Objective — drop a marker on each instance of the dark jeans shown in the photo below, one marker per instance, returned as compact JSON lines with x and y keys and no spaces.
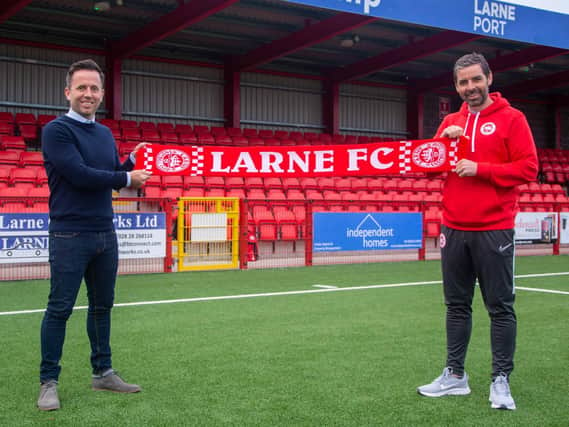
{"x":489,"y":257}
{"x":72,"y":257}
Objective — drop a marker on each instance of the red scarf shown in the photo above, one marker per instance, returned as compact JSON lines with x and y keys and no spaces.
{"x":381,"y":158}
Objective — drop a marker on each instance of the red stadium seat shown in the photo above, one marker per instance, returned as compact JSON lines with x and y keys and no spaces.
{"x":256,"y":141}
{"x":250,"y":133}
{"x":338,"y":139}
{"x":240,"y":141}
{"x":10,"y":158}
{"x":165,"y":127}
{"x":214,"y":192}
{"x":128,"y":124}
{"x":214,"y":182}
{"x":201,"y":130}
{"x":23,"y":175}
{"x":187,"y":139}
{"x":254,"y":183}
{"x":6,"y":116}
{"x":110,"y":123}
{"x":150,"y":135}
{"x":29,"y":133}
{"x":256,"y":194}
{"x":172,"y":181}
{"x":152,"y":192}
{"x":311,"y":137}
{"x":314,"y":195}
{"x":295,"y":136}
{"x":44,"y":119}
{"x":193,"y":192}
{"x":169,"y":138}
{"x":171,"y":193}
{"x":25,"y":119}
{"x":184,"y":129}
{"x":205,"y":139}
{"x":281,"y":134}
{"x":234,"y":182}
{"x":266,"y":133}
{"x":291,"y":183}
{"x":359,"y":183}
{"x":39,"y":191}
{"x":41,"y":177}
{"x":4,"y":175}
{"x":236,"y":192}
{"x":31,"y":158}
{"x":130,"y":134}
{"x":273,"y":183}
{"x":295,"y":194}
{"x":433,"y":229}
{"x":10,"y":142}
{"x":234,"y":132}
{"x":351,"y":139}
{"x":326,"y":183}
{"x":6,"y":128}
{"x":276,"y":194}
{"x":147,"y":126}
{"x":218,"y":131}
{"x":223,"y":140}
{"x":193,"y":182}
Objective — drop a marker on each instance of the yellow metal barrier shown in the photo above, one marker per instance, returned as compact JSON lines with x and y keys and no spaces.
{"x":208,"y":233}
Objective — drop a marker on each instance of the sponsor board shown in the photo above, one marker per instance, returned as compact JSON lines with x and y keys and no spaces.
{"x":355,"y":231}
{"x":541,"y":22}
{"x":564,"y":228}
{"x":536,"y":227}
{"x":24,"y":237}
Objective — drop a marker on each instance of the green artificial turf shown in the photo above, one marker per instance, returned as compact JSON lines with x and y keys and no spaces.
{"x":331,"y":358}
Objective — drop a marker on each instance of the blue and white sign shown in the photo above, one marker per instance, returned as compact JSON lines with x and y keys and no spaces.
{"x":141,"y":235}
{"x":542,"y":22}
{"x":24,"y":237}
{"x":354,"y":231}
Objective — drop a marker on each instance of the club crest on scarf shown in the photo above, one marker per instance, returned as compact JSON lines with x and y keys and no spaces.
{"x":430,"y":155}
{"x":172,"y":161}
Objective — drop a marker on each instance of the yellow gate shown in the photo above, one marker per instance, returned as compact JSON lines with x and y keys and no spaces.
{"x":208,"y":233}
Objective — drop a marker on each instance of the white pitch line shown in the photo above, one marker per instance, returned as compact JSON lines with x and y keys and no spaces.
{"x":562,"y":273}
{"x":242,"y":296}
{"x":325,"y":286}
{"x":300,"y":292}
{"x":547,"y":291}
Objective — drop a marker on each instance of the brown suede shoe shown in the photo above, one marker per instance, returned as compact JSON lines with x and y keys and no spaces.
{"x":48,"y":399}
{"x":111,"y":381}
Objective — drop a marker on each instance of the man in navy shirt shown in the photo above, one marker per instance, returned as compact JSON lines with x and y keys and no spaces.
{"x":83,"y":168}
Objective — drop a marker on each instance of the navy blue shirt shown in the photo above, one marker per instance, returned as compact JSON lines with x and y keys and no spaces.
{"x":83,"y":167}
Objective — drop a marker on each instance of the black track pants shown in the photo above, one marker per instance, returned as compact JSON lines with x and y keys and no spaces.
{"x":489,"y":257}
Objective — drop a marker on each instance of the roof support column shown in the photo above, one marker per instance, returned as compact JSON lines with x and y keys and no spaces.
{"x":232,"y":96}
{"x":113,"y":87}
{"x":331,"y":107}
{"x":415,"y":114}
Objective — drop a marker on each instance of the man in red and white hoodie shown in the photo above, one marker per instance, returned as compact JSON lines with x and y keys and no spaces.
{"x":480,"y":201}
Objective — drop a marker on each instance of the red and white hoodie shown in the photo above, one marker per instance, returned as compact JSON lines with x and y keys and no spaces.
{"x":502,"y":144}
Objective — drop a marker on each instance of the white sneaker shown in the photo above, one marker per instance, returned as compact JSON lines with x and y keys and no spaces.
{"x":445,"y":385}
{"x":500,"y":396}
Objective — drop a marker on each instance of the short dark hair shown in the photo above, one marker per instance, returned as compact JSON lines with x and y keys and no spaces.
{"x":84,"y":64}
{"x":471,"y":59}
